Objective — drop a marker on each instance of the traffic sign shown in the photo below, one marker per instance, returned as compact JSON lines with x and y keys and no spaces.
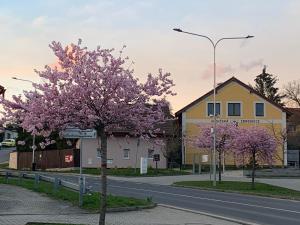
{"x":78,"y":133}
{"x":156,"y":157}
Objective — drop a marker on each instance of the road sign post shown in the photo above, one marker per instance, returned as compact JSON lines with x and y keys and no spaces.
{"x":156,"y":158}
{"x":75,"y":133}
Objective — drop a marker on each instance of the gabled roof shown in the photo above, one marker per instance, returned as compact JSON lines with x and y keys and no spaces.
{"x":232,"y":79}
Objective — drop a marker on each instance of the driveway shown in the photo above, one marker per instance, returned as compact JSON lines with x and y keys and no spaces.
{"x":19,"y":206}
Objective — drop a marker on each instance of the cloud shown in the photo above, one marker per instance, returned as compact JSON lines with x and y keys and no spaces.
{"x":39,"y":21}
{"x":221,"y":70}
{"x":252,"y":64}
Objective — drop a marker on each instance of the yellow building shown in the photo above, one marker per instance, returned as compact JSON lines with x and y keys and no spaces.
{"x":235,"y":102}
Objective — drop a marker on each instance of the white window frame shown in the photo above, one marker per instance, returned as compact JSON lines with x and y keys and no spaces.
{"x":98,"y":152}
{"x":241,"y":109}
{"x":254,"y":110}
{"x":128,"y":151}
{"x":212,"y":102}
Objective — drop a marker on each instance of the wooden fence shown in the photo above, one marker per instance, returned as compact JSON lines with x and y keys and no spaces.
{"x":47,"y":159}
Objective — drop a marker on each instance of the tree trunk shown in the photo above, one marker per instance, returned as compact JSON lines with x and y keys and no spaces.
{"x":220,"y":166}
{"x":253,"y":170}
{"x":103,"y":202}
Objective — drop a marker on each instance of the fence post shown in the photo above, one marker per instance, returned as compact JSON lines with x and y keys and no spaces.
{"x":84,"y":186}
{"x":36,"y":180}
{"x":6,"y":176}
{"x":56,"y":183}
{"x":20,"y":178}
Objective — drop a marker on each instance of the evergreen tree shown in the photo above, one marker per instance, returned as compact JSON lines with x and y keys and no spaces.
{"x":265,"y":85}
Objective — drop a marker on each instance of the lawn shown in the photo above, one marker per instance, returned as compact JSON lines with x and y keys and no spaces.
{"x":90,"y":202}
{"x":131,"y":172}
{"x":244,"y":188}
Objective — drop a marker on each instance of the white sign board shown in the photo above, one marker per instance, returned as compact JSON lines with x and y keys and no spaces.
{"x":144,"y":165}
{"x":204,"y":158}
{"x":78,"y":133}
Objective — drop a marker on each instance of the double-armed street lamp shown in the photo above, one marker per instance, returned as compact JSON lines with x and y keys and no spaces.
{"x":214,"y":44}
{"x":33,"y":165}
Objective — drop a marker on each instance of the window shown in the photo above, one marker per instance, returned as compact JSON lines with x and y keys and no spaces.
{"x":259,"y":109}
{"x":234,"y":109}
{"x":210,"y":109}
{"x":99,"y":153}
{"x":291,"y":128}
{"x":126,"y":153}
{"x":150,"y":153}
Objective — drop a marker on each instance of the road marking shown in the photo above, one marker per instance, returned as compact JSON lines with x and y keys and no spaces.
{"x":209,"y":214}
{"x":209,"y":199}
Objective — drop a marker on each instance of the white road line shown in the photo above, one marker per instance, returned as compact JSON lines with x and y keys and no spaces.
{"x":209,"y":214}
{"x":209,"y":199}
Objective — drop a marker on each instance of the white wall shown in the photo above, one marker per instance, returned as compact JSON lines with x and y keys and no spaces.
{"x":115,"y":154}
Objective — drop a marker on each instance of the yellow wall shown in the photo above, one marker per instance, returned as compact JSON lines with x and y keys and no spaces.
{"x":274,"y":118}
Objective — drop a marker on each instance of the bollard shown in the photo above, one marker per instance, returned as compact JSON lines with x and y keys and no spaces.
{"x":20,"y":178}
{"x":84,"y":186}
{"x":36,"y":180}
{"x":6,"y":176}
{"x":56,"y":183}
{"x":194,"y":164}
{"x":199,"y":169}
{"x":80,"y":191}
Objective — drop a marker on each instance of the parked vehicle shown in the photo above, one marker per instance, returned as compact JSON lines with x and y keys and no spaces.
{"x":8,"y":143}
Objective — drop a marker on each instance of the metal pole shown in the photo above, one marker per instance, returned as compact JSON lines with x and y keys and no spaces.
{"x":214,"y":44}
{"x":215,"y":122}
{"x":33,"y":164}
{"x":33,"y":154}
{"x":80,"y":177}
{"x":223,"y":162}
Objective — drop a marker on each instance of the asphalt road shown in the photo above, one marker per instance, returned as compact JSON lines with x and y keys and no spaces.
{"x":255,"y":209}
{"x":4,"y":154}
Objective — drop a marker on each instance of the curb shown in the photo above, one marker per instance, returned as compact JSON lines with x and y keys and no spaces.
{"x":210,"y":215}
{"x":133,"y":208}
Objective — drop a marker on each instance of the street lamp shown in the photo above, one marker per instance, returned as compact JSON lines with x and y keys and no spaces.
{"x":214,"y":44}
{"x":33,"y":165}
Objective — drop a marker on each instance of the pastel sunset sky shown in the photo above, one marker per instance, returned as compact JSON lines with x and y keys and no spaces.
{"x":145,"y":26}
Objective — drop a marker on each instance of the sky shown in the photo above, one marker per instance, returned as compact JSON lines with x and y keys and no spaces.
{"x":145,"y":27}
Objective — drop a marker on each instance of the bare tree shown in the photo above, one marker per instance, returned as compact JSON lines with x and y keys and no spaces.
{"x":292,"y":92}
{"x":171,"y":149}
{"x":281,"y":139}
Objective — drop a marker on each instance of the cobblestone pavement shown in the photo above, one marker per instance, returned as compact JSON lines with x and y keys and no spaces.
{"x":19,"y":206}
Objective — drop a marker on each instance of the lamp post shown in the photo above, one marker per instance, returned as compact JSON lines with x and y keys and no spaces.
{"x":33,"y":165}
{"x":214,"y":44}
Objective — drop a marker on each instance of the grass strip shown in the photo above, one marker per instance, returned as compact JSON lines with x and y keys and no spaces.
{"x":261,"y":189}
{"x":90,"y":201}
{"x":131,"y":172}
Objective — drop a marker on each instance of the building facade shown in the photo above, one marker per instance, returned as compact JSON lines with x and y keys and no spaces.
{"x":122,"y":152}
{"x":235,"y":102}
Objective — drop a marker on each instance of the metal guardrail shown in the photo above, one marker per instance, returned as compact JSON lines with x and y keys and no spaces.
{"x":38,"y":177}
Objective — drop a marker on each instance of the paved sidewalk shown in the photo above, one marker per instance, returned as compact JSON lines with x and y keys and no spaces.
{"x":19,"y":206}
